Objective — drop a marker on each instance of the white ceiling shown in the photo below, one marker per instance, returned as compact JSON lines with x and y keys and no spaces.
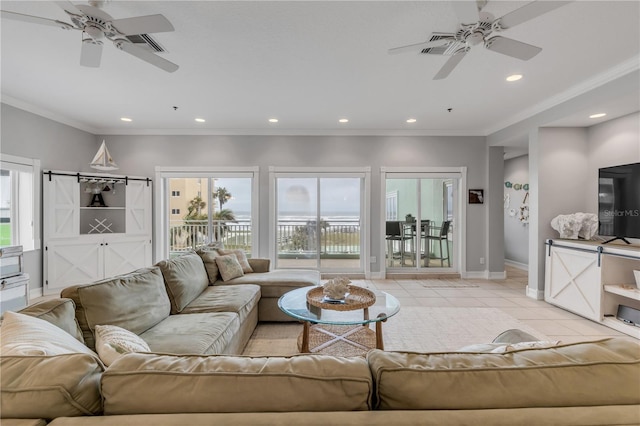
{"x":311,"y":63}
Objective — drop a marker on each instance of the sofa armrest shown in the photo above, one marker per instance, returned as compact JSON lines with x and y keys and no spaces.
{"x":259,"y":264}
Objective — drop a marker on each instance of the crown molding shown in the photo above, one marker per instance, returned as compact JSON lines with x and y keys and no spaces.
{"x":622,"y":69}
{"x":43,"y":112}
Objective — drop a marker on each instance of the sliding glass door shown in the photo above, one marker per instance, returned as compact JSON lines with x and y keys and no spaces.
{"x":319,"y":221}
{"x":420,"y":214}
{"x":204,"y":208}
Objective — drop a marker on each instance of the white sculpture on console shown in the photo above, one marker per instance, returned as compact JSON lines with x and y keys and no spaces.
{"x":576,"y":225}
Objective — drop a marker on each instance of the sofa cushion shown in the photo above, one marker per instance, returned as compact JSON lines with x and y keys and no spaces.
{"x":278,"y":282}
{"x":229,"y":267}
{"x":60,"y":312}
{"x":63,"y":374}
{"x":185,"y":278}
{"x":112,"y":342}
{"x":206,"y":333}
{"x":136,"y":301}
{"x":241,"y":299}
{"x":27,"y":335}
{"x":242,"y":259}
{"x":209,"y":259}
{"x":56,"y":386}
{"x":603,"y":372}
{"x":147,"y":383}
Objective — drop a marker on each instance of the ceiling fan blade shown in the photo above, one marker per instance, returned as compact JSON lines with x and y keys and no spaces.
{"x":34,"y":19}
{"x":513,"y":48}
{"x":146,"y":56}
{"x":449,"y":66}
{"x":466,"y":11}
{"x":68,"y":7}
{"x":91,"y":53}
{"x":420,"y":46}
{"x":143,"y":25}
{"x":529,"y":11}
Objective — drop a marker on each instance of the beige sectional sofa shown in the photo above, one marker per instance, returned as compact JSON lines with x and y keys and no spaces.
{"x":188,"y":378}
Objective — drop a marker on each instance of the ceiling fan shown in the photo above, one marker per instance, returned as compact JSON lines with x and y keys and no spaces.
{"x":97,"y":25}
{"x":475,"y":27}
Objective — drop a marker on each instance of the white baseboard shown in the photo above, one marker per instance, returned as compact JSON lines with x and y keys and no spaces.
{"x":35,"y":293}
{"x":497,"y":275}
{"x":377,"y":275}
{"x":534,"y":293}
{"x":475,"y":274}
{"x":523,"y":266}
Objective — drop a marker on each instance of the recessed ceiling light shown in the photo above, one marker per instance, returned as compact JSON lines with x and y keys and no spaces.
{"x":273,"y":120}
{"x":514,"y":77}
{"x":601,"y":114}
{"x":127,"y":119}
{"x":344,"y":120}
{"x":200,"y":120}
{"x":411,"y":120}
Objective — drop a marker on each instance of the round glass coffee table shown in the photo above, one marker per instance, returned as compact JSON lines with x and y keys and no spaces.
{"x":335,"y":329}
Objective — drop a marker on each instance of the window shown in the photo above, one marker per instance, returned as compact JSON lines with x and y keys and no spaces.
{"x":320,"y":219}
{"x":392,"y":205}
{"x":19,"y":206}
{"x":197,"y":207}
{"x":422,"y":218}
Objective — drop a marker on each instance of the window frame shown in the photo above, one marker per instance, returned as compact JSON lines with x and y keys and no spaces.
{"x":363,"y":173}
{"x":163,"y":194}
{"x":25,"y":165}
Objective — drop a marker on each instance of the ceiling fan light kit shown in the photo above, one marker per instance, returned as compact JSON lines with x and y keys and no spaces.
{"x":97,"y":25}
{"x":476,"y":27}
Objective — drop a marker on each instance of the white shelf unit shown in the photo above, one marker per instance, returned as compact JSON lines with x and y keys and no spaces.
{"x":592,"y":280}
{"x":84,"y":243}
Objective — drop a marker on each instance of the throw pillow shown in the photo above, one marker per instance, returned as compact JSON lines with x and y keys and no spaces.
{"x":229,"y":267}
{"x":541,"y":344}
{"x":242,"y":259}
{"x":26,"y":335}
{"x":209,"y":260}
{"x":113,"y":341}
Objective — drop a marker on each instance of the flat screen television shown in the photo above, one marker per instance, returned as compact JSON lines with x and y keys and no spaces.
{"x":619,"y":202}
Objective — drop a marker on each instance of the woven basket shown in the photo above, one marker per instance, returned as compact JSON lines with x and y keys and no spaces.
{"x":358,"y":298}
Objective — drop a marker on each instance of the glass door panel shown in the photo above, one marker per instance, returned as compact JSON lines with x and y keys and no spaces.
{"x":204,"y":210}
{"x":425,"y":212}
{"x":340,"y":223}
{"x":297,"y":226}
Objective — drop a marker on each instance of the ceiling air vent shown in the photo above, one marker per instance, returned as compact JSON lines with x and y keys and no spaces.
{"x":146,"y":42}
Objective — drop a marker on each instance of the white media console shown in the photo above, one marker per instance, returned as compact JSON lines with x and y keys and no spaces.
{"x":592,"y":280}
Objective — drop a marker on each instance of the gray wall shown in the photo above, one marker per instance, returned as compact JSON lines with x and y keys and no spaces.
{"x":563,"y":168}
{"x":611,"y":143}
{"x":56,"y":145}
{"x":495,"y":229}
{"x":139,"y":155}
{"x":516,"y":234}
{"x":61,"y":147}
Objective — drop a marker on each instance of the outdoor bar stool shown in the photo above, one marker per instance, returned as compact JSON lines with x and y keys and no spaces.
{"x":395,"y":233}
{"x":442,"y":236}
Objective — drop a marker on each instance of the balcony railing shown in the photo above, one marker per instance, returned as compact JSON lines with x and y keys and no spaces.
{"x":337,"y":238}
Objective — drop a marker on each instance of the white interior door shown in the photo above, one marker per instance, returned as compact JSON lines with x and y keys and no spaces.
{"x":69,"y":263}
{"x":123,"y":256}
{"x":138,"y":206}
{"x":63,"y":202}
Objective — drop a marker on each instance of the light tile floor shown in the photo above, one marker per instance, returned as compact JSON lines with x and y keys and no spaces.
{"x":507,"y":295}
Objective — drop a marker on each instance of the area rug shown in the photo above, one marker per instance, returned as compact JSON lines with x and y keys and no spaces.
{"x":419,"y":329}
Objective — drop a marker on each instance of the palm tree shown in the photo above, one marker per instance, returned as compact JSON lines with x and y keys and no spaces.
{"x":220,"y":219}
{"x":194,"y":209}
{"x":222,"y":195}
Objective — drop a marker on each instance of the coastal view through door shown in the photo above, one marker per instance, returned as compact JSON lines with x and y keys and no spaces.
{"x":319,"y":222}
